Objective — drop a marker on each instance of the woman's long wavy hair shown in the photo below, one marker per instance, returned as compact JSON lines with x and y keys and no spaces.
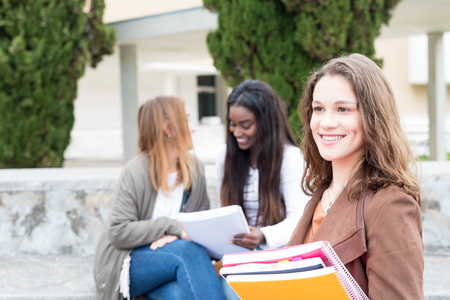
{"x":273,"y":132}
{"x":152,"y":141}
{"x":387,"y":158}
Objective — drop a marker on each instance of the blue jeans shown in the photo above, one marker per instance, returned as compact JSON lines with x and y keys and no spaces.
{"x":179,"y":270}
{"x":228,"y":291}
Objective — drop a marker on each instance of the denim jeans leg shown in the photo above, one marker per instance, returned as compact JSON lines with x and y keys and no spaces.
{"x":184,"y":262}
{"x":228,"y":291}
{"x":170,"y":290}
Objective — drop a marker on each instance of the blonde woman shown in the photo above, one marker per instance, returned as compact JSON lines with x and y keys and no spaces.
{"x":366,"y":200}
{"x":144,"y":251}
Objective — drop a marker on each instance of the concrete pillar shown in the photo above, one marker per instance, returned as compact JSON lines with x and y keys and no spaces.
{"x":188,"y":92}
{"x":129,"y":87}
{"x":170,"y":85}
{"x":437,"y":96}
{"x":221,"y":98}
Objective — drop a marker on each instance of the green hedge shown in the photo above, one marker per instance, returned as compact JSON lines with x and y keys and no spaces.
{"x":281,"y":41}
{"x":45,"y":46}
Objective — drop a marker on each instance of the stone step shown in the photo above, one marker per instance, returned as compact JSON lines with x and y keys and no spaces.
{"x":37,"y":277}
{"x":436,"y":283}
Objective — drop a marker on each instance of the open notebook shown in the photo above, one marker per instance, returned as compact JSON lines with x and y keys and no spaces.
{"x":308,"y":271}
{"x":213,"y":228}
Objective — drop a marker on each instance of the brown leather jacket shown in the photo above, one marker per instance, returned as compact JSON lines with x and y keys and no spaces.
{"x":382,"y":248}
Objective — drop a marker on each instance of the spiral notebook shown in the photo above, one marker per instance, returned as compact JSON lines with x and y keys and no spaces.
{"x":332,"y":281}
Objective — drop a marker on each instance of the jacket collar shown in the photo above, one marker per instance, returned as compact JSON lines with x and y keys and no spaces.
{"x":343,"y":227}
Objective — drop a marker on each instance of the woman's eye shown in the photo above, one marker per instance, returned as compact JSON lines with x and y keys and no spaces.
{"x":343,"y":109}
{"x":317,"y":108}
{"x":246,"y":127}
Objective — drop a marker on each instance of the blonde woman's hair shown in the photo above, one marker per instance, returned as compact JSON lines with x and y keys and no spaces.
{"x":387,"y":158}
{"x":154,"y":142}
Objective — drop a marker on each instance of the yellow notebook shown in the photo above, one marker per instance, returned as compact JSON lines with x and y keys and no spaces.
{"x":316,"y":284}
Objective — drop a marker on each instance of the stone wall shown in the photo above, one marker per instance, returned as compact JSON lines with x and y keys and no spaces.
{"x":53,"y":211}
{"x":63,"y":211}
{"x":435,"y":183}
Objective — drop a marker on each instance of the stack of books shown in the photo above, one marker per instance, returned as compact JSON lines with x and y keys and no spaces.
{"x":308,"y":271}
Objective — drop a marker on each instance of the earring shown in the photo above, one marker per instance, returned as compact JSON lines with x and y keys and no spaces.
{"x":169,"y":136}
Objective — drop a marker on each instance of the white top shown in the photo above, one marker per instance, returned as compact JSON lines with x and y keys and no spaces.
{"x":295,"y":200}
{"x":251,"y":196}
{"x":169,"y":205}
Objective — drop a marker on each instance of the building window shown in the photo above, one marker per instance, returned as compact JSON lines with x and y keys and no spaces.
{"x":206,"y":92}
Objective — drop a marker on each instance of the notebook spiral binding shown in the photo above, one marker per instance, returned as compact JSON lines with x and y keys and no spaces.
{"x":345,"y":278}
{"x":344,"y":288}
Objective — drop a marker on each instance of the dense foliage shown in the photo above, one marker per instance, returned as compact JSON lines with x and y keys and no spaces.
{"x":281,"y":41}
{"x":45,"y":46}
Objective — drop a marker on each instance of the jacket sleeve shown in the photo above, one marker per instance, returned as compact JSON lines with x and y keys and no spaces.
{"x":394,"y":260}
{"x":126,"y":230}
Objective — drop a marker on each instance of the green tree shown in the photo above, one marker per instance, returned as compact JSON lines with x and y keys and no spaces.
{"x":282,"y":41}
{"x":45,"y":46}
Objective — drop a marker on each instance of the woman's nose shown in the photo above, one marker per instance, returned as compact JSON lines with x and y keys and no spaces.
{"x":237,"y":132}
{"x":329,"y":121}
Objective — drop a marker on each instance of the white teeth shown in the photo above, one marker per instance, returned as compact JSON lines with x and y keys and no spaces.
{"x":332,"y":137}
{"x":241,"y":140}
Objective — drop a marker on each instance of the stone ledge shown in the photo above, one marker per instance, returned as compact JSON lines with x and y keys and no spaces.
{"x":58,"y":221}
{"x":64,"y":296}
{"x":49,"y":179}
{"x":63,"y":211}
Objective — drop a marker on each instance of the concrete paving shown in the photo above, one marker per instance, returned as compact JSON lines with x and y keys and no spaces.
{"x":33,"y":277}
{"x":437,"y":275}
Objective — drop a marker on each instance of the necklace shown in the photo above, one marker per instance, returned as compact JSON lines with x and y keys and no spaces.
{"x":335,"y":197}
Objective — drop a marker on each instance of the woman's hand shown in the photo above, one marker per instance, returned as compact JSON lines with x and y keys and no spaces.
{"x":163,"y":241}
{"x":249,"y":240}
{"x":185,"y":236}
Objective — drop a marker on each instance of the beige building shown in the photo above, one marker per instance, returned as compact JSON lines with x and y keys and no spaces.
{"x":161,"y":49}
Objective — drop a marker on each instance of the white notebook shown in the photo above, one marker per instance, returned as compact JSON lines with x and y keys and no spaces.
{"x":214,"y":228}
